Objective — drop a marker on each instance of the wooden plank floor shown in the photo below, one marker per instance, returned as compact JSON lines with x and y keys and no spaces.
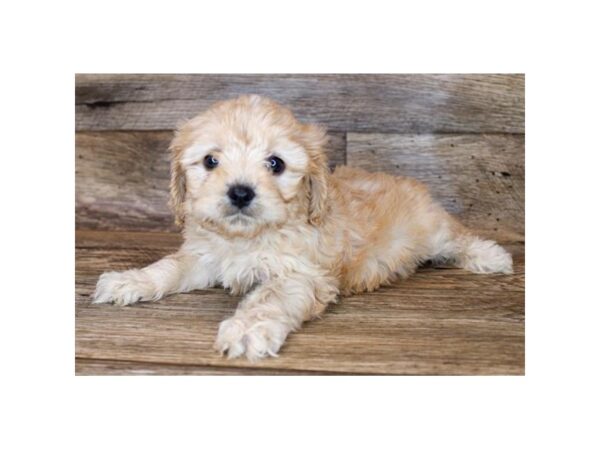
{"x":440,"y":321}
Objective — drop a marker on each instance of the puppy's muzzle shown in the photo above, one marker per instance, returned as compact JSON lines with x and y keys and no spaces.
{"x":240,"y":195}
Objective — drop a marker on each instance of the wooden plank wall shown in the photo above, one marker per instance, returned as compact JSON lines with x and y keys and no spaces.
{"x":365,"y":103}
{"x":461,"y":134}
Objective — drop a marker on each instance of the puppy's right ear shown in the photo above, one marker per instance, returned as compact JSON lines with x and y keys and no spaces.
{"x":314,"y":139}
{"x":177,"y":182}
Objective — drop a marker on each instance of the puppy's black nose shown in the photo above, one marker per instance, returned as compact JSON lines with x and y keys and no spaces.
{"x":240,"y":195}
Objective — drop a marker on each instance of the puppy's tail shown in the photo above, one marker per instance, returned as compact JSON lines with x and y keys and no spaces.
{"x":483,"y":256}
{"x":463,"y":249}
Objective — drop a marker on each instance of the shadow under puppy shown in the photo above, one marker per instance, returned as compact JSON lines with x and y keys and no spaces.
{"x":263,"y":216}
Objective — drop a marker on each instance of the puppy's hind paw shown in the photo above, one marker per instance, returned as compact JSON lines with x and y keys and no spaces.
{"x":124,"y":288}
{"x":255,"y":341}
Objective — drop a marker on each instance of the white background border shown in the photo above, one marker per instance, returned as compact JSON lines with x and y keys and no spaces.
{"x":43,"y":403}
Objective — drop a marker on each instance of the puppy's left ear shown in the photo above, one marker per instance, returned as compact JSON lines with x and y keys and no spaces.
{"x":177,"y":183}
{"x":314,"y":139}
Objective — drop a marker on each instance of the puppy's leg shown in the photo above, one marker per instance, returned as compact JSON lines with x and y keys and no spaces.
{"x":179,"y":272}
{"x":269,"y":313}
{"x":453,"y":243}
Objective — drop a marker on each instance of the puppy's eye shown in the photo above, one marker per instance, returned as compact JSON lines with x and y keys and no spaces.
{"x":210,"y":162}
{"x":276,"y":164}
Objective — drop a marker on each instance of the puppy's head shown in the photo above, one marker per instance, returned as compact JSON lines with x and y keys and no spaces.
{"x":247,"y":165}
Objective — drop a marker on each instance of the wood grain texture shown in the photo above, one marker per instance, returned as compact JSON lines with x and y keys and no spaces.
{"x":122,"y":178}
{"x":398,"y":103}
{"x":479,"y":178}
{"x":440,"y":321}
{"x":85,"y":366}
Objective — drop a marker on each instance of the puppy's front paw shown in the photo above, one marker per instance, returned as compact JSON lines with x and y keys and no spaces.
{"x":255,"y":340}
{"x":124,"y":288}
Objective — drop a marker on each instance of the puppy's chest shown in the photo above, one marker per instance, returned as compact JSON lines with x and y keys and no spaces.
{"x":243,"y":266}
{"x":240,"y":271}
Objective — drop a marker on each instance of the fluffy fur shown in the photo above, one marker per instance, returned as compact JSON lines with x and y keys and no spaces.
{"x":307,"y":236}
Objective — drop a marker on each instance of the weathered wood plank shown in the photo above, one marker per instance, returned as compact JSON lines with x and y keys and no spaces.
{"x":114,"y":367}
{"x":479,"y":178}
{"x":398,"y":103}
{"x":440,"y":321}
{"x":122,"y":178}
{"x":102,"y":239}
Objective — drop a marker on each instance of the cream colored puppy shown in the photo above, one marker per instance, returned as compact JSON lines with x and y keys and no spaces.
{"x":263,"y":216}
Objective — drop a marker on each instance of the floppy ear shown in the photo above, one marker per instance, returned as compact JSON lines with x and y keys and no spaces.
{"x":314,"y":139}
{"x":177,"y":184}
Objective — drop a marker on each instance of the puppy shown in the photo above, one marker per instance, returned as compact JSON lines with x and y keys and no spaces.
{"x":263,"y":216}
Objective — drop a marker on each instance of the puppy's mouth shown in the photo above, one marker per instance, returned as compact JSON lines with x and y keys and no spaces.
{"x":237,"y":215}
